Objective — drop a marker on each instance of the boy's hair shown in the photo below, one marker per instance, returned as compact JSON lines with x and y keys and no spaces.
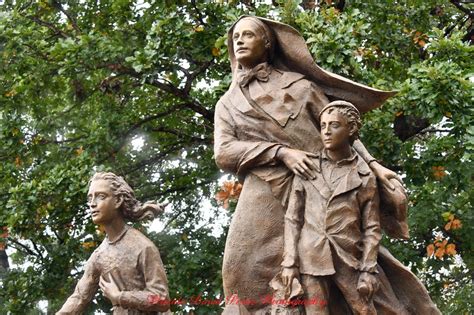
{"x":349,"y":111}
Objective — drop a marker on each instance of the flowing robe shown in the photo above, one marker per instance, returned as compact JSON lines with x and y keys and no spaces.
{"x":247,"y":137}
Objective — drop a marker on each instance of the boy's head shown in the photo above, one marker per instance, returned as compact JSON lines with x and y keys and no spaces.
{"x":340,"y":124}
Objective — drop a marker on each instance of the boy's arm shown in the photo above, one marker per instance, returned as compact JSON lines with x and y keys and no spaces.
{"x":370,"y":227}
{"x":293,"y":223}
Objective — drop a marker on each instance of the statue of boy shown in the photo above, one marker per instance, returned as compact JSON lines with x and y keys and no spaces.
{"x":332,"y":229}
{"x":127,"y":265}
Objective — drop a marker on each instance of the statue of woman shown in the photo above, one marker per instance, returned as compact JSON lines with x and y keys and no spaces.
{"x":127,"y":265}
{"x":267,"y":131}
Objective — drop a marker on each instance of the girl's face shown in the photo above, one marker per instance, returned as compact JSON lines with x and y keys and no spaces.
{"x":103,"y":205}
{"x":249,"y":44}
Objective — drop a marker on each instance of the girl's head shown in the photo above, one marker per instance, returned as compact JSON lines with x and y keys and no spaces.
{"x":129,"y":207}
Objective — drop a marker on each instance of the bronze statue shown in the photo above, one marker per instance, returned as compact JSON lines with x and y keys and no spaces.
{"x":127,"y":265}
{"x":332,"y":228}
{"x":266,"y":131}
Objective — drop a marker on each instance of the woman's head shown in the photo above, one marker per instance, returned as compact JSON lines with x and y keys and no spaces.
{"x":129,"y":207}
{"x":252,"y":42}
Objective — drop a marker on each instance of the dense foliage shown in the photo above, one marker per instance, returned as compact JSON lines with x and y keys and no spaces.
{"x":130,"y":86}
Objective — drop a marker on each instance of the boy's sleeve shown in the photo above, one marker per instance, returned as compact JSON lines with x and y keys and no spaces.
{"x":293,"y":223}
{"x":370,"y":226}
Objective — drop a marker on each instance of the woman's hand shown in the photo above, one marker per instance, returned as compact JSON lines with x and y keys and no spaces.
{"x":298,"y":162}
{"x":111,"y":291}
{"x":384,"y":174}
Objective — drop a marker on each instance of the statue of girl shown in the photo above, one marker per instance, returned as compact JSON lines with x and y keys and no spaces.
{"x":127,"y":265}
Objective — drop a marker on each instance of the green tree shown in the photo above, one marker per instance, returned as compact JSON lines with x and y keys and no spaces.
{"x":81,"y":80}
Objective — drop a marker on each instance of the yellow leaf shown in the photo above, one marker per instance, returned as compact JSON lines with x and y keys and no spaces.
{"x":456,"y":224}
{"x":215,"y":51}
{"x":10,"y":93}
{"x":89,"y":245}
{"x":18,"y":161}
{"x":430,"y":250}
{"x":447,"y":227}
{"x":397,"y":114}
{"x":451,"y":249}
{"x":439,"y":252}
{"x":79,"y":151}
{"x":438,"y":172}
{"x":230,"y":190}
{"x":199,"y":28}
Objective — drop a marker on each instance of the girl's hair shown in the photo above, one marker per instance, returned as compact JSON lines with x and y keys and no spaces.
{"x":349,"y":111}
{"x":131,"y":208}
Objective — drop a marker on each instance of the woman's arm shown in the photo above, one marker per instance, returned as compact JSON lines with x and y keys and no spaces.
{"x":235,"y":155}
{"x":382,"y":173}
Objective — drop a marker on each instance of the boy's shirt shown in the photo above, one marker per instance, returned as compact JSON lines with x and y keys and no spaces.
{"x":334,"y":214}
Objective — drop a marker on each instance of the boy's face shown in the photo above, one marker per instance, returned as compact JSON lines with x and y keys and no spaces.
{"x":335,"y":131}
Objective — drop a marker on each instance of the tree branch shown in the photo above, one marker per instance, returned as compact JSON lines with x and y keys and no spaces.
{"x":25,"y":248}
{"x":182,"y":94}
{"x":199,"y":14}
{"x":460,"y":7}
{"x":51,"y":26}
{"x":71,"y":19}
{"x":180,"y":134}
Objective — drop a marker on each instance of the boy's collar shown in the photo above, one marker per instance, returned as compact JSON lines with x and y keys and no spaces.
{"x":345,"y":161}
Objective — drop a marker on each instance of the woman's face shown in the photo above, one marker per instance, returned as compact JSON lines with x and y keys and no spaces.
{"x":249,"y":44}
{"x":103,"y":205}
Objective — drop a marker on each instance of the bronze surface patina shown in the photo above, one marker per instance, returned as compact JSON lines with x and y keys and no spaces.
{"x":267,"y":132}
{"x":127,"y":265}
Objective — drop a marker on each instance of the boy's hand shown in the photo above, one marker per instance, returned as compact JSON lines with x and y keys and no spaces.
{"x":367,"y":285}
{"x":288,"y":274}
{"x":298,"y":162}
